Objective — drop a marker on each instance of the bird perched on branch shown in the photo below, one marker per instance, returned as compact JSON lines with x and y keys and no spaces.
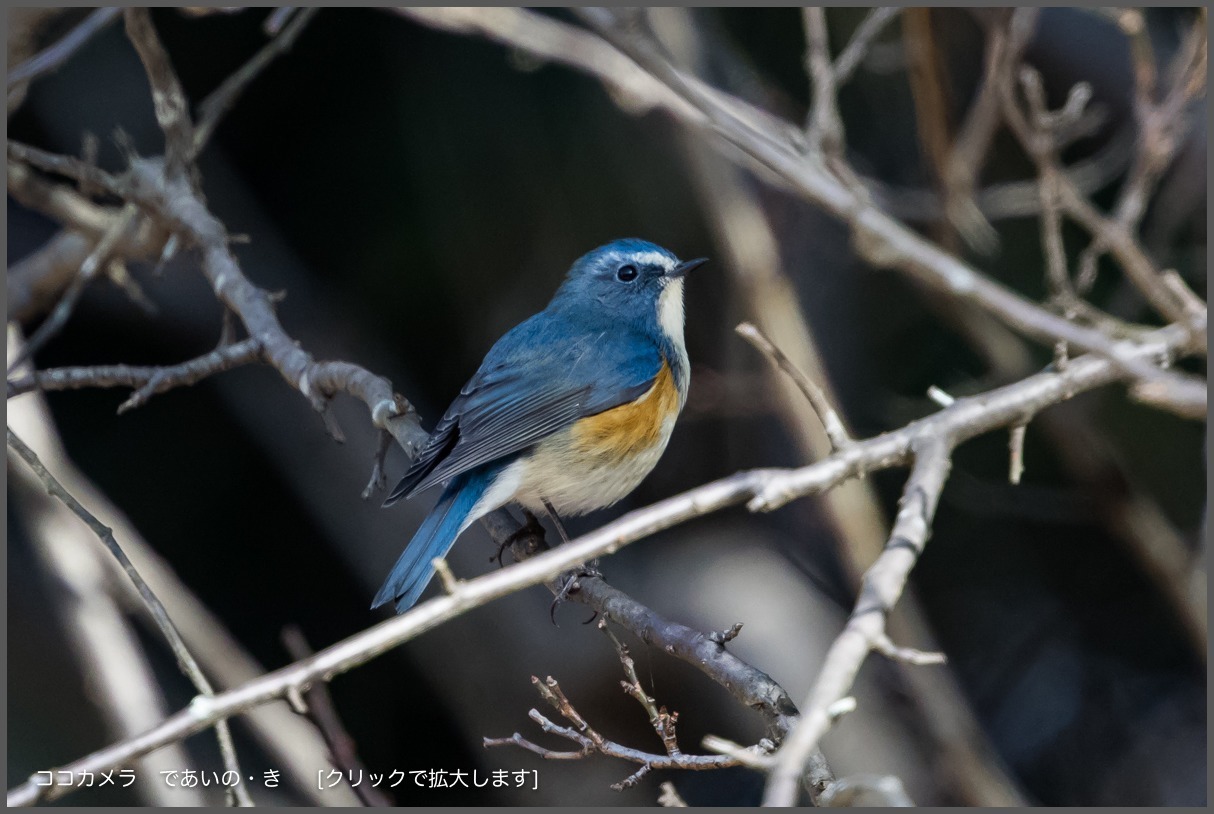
{"x":569,"y":411}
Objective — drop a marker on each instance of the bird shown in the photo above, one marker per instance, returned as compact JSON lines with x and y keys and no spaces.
{"x":568,"y":412}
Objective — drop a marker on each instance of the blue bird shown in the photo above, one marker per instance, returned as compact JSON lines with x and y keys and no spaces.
{"x":569,"y":411}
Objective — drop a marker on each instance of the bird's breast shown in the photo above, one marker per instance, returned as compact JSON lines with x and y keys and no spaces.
{"x":603,"y":457}
{"x":632,"y":428}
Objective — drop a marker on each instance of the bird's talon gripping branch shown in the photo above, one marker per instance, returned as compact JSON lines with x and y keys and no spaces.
{"x":532,"y":528}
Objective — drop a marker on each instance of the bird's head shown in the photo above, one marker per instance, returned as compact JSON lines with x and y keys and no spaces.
{"x":631,"y":281}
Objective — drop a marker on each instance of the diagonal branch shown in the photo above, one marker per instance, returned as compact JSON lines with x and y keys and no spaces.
{"x":754,"y":135}
{"x":239,"y":795}
{"x":861,"y":41}
{"x":54,"y":55}
{"x":865,"y":631}
{"x":761,"y":489}
{"x":213,"y":108}
{"x":827,"y":414}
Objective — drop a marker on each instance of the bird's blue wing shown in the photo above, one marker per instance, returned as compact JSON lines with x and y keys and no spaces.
{"x":538,"y":379}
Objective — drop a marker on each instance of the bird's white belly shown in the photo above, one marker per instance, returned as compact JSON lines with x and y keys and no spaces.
{"x":576,"y":484}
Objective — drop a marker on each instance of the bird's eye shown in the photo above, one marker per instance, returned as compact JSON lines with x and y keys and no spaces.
{"x":626,"y":274}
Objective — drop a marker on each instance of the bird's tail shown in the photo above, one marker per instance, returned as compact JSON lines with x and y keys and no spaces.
{"x":413,"y":571}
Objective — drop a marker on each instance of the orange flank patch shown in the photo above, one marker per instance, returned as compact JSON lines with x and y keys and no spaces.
{"x":630,"y":428}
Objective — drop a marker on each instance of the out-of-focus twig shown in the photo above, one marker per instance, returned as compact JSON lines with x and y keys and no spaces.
{"x":831,"y":422}
{"x":238,"y":793}
{"x":98,"y":631}
{"x":89,"y":269}
{"x":213,"y":108}
{"x":861,"y":41}
{"x":320,"y":710}
{"x":54,"y":55}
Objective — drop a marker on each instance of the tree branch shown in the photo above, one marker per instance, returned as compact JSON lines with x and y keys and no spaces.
{"x":865,"y":631}
{"x":238,"y":794}
{"x":762,"y":489}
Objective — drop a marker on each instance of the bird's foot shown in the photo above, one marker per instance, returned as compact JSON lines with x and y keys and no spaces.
{"x":531,"y":529}
{"x":571,"y":585}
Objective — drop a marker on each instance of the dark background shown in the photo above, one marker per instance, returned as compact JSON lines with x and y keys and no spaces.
{"x":415,"y":194}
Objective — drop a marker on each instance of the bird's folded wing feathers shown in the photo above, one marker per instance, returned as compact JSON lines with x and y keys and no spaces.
{"x":511,"y":404}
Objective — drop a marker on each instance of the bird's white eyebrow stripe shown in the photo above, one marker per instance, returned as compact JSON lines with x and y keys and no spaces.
{"x":651,"y":259}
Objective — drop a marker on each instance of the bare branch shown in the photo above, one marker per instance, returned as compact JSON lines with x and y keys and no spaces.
{"x":67,"y":166}
{"x":882,"y":586}
{"x":213,"y":108}
{"x":239,"y":795}
{"x":147,"y":381}
{"x":831,"y":422}
{"x":825,"y":124}
{"x":1005,"y":45}
{"x":764,"y":489}
{"x":591,"y":742}
{"x":879,"y":239}
{"x":663,"y":723}
{"x":54,"y":55}
{"x":89,"y":270}
{"x":168,"y":99}
{"x":342,"y":749}
{"x":857,"y":48}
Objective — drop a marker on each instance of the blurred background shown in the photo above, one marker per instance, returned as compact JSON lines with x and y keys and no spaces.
{"x":415,"y":194}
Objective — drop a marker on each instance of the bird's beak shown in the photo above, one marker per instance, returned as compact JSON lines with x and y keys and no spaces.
{"x":686,"y":266}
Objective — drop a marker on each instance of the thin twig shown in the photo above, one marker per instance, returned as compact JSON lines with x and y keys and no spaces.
{"x":213,"y":108}
{"x":825,"y":124}
{"x":54,"y":55}
{"x":664,"y":723}
{"x":147,"y":381}
{"x":861,"y":41}
{"x":92,"y":266}
{"x":321,"y":712}
{"x":68,"y":167}
{"x":827,"y":414}
{"x":969,"y":149}
{"x":590,"y":741}
{"x":238,"y":794}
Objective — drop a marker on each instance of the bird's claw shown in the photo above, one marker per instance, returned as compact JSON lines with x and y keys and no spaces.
{"x":531,"y":528}
{"x":571,"y":584}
